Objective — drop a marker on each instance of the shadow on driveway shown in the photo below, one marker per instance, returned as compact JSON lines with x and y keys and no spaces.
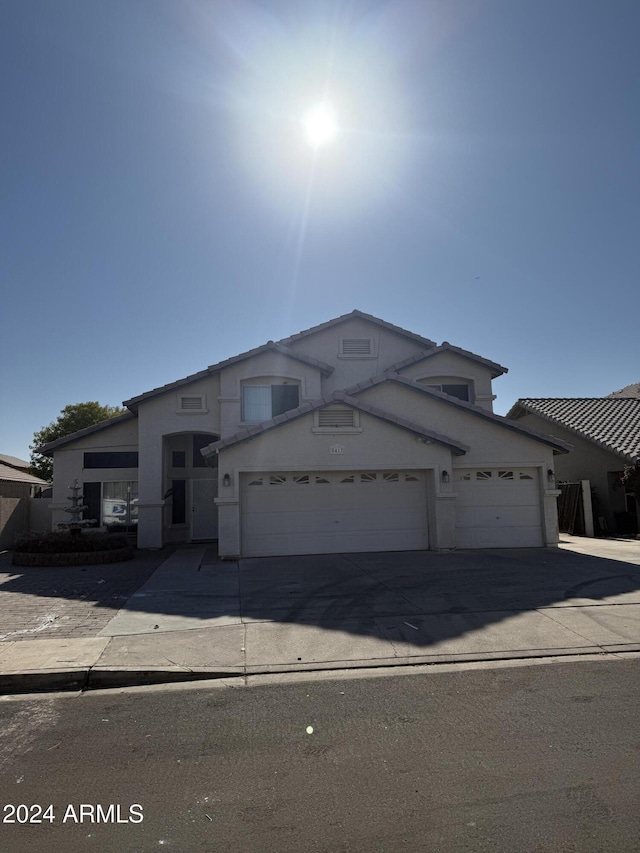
{"x":410,"y":601}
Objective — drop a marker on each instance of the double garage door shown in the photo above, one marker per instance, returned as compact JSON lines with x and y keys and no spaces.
{"x":498,"y":508}
{"x":320,"y":512}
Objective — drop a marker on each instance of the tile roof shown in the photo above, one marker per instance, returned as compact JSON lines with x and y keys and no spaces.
{"x":610,"y":422}
{"x":15,"y":475}
{"x":362,"y":316}
{"x":557,"y":444}
{"x":13,"y":461}
{"x":337,"y":397}
{"x":270,"y":346}
{"x":445,"y":346}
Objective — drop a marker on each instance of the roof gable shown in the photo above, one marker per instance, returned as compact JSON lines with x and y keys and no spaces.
{"x":495,"y":368}
{"x":362,"y":316}
{"x":249,"y":433}
{"x":47,"y":449}
{"x":557,"y":444}
{"x":270,"y":346}
{"x":612,"y":423}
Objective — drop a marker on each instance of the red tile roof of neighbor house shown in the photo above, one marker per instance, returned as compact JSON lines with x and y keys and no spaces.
{"x":612,"y":423}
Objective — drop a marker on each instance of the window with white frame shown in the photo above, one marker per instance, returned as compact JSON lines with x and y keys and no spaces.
{"x":263,"y":402}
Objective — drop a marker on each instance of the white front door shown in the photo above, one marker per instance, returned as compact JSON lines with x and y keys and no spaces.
{"x":204,"y":512}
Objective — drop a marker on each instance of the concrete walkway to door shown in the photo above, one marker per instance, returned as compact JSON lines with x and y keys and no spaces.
{"x":198,"y":617}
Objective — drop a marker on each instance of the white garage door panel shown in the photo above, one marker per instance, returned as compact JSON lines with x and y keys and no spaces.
{"x":376,"y":511}
{"x":326,"y":521}
{"x":509,"y":537}
{"x":503,"y":516}
{"x":498,"y":508}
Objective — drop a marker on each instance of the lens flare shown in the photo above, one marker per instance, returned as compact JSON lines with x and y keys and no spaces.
{"x":320,"y":126}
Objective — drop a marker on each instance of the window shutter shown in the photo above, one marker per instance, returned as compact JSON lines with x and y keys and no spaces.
{"x":336,"y":416}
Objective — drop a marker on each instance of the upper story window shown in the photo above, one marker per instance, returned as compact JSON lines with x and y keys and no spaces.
{"x":454,"y":389}
{"x":356,"y":348}
{"x":263,"y":402}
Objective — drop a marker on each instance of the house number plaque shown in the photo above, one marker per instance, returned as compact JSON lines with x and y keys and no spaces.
{"x":336,"y":448}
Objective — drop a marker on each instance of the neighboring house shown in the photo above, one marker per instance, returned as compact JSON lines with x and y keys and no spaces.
{"x":354,"y":435}
{"x":605,"y":433}
{"x":16,"y":481}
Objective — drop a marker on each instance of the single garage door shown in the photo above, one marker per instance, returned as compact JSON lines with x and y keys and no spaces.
{"x":498,"y":508}
{"x":332,"y":512}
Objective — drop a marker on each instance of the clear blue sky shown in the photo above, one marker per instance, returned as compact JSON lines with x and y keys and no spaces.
{"x":162,"y":210}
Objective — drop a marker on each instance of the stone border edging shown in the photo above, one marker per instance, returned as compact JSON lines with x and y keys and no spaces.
{"x":73,"y":558}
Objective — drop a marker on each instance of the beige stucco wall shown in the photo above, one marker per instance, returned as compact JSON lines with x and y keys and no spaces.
{"x":441,"y":367}
{"x":586,"y":461}
{"x":489,"y":443}
{"x":15,"y":489}
{"x":158,"y":417}
{"x":267,"y":368}
{"x":68,"y":463}
{"x":14,"y":520}
{"x":295,"y":447}
{"x":389,"y":348}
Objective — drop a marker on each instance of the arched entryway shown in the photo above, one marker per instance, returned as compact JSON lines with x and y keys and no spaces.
{"x":190,"y":489}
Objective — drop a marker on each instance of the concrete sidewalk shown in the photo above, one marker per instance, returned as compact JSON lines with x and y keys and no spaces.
{"x":197,"y":617}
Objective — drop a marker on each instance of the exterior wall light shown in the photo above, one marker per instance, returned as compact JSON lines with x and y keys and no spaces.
{"x":550,"y":475}
{"x":445,"y":476}
{"x":226,"y":481}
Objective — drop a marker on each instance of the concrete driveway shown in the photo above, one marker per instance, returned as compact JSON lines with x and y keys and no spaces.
{"x":297,"y":612}
{"x":198,"y":616}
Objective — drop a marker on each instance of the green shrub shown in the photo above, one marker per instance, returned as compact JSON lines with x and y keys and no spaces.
{"x":63,"y":543}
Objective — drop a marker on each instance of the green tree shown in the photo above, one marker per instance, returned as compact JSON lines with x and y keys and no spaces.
{"x":72,"y":418}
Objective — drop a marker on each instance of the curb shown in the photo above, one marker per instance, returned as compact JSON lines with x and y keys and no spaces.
{"x":88,"y":678}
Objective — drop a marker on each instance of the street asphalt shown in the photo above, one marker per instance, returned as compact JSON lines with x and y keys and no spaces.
{"x":185,"y":615}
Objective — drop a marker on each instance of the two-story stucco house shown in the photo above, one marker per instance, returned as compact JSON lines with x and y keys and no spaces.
{"x":354,"y":435}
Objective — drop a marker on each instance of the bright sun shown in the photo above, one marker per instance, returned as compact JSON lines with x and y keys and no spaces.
{"x":320,"y":126}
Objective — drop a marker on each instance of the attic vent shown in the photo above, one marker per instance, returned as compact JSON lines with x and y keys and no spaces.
{"x":336,"y":416}
{"x":191,"y":404}
{"x":356,"y":346}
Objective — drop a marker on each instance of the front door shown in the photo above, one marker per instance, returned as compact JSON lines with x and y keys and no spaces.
{"x":204,"y":512}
